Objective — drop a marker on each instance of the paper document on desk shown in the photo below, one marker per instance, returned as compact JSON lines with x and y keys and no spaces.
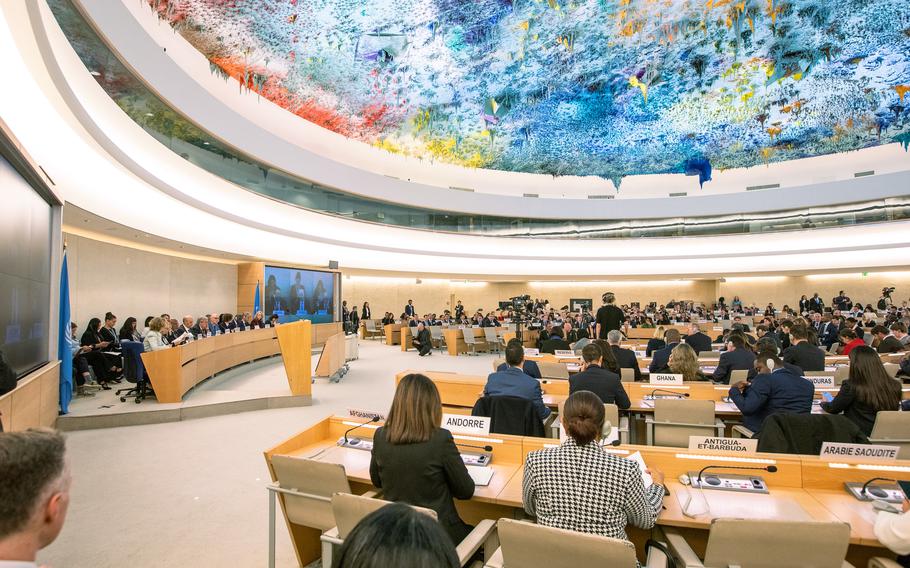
{"x":480,"y":475}
{"x":645,"y":476}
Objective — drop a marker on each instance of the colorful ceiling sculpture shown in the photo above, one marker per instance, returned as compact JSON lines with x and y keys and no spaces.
{"x":600,"y":87}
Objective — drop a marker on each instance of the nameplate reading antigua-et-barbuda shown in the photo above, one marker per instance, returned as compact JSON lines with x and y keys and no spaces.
{"x":741,"y":446}
{"x":833,"y":451}
{"x":665,"y":379}
{"x":463,"y":424}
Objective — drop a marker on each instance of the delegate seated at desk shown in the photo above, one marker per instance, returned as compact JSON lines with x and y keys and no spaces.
{"x":579,"y":487}
{"x":598,"y":380}
{"x":625,"y":358}
{"x":661,"y":357}
{"x":529,"y":367}
{"x":515,"y":382}
{"x":737,"y":357}
{"x":775,"y":389}
{"x":868,"y":390}
{"x":416,"y":461}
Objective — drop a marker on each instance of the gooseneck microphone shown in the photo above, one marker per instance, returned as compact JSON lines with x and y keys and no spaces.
{"x":349,"y":430}
{"x":614,"y":443}
{"x":769,"y":469}
{"x":864,"y":490}
{"x":677,"y":394}
{"x":484,"y":448}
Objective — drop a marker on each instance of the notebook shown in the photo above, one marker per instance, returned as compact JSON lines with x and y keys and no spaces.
{"x":480,"y":475}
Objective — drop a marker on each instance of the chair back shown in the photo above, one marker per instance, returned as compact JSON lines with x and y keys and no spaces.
{"x":834,"y":347}
{"x":469,"y":338}
{"x":510,"y":415}
{"x":349,"y":510}
{"x":676,"y":420}
{"x":436,"y":332}
{"x":709,"y":355}
{"x":370,"y":325}
{"x":891,"y":369}
{"x":497,"y":362}
{"x":551,"y":370}
{"x":841,"y":374}
{"x":738,"y":375}
{"x":489,"y":334}
{"x":528,"y":545}
{"x":317,"y":481}
{"x":892,"y":428}
{"x":133,"y":368}
{"x":627,"y":375}
{"x":777,"y":544}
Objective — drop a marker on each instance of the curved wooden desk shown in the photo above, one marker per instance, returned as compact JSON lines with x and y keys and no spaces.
{"x":176,"y":370}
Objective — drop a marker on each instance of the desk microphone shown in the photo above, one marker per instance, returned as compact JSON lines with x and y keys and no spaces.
{"x":484,"y":448}
{"x":349,"y":430}
{"x":678,"y":394}
{"x":769,"y":469}
{"x":614,"y":443}
{"x":872,"y":494}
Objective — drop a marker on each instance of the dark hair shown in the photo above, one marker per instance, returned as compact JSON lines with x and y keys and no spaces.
{"x":93,"y":325}
{"x":591,"y":353}
{"x":799,"y":332}
{"x":737,"y":340}
{"x":397,"y":535}
{"x":416,"y":411}
{"x":128,"y":325}
{"x":765,"y":343}
{"x":30,"y":461}
{"x":872,"y":384}
{"x":583,"y":417}
{"x":556,"y":332}
{"x":768,"y":354}
{"x":109,"y":316}
{"x":672,"y":335}
{"x":610,"y":362}
{"x":581,"y":333}
{"x":847,"y":333}
{"x":147,"y":320}
{"x":515,"y":354}
{"x":899,"y":326}
{"x":880,"y":329}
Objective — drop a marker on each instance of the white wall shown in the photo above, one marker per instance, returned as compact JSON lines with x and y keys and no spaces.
{"x":130,"y":282}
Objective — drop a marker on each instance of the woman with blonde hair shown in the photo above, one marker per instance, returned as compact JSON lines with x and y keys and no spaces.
{"x":154,"y":339}
{"x":684,"y":361}
{"x":416,"y":461}
{"x":657,"y":340}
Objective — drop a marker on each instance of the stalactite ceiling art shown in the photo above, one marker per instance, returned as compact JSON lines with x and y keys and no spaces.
{"x":610,"y":88}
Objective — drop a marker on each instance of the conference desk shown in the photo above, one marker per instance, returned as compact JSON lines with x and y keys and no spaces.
{"x":393,"y":333}
{"x":804,"y":487}
{"x":454,"y":336}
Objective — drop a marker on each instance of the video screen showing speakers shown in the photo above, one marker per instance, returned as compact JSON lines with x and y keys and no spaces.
{"x":25,"y":273}
{"x":296,"y":294}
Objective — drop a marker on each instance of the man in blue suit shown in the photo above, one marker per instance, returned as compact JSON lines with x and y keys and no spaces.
{"x":515,"y":382}
{"x":737,"y":357}
{"x":410,"y":310}
{"x":775,"y":389}
{"x":661,"y":357}
{"x":529,"y":367}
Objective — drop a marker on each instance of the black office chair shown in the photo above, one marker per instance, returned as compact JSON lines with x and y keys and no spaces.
{"x":784,"y":433}
{"x":510,"y":415}
{"x":134,"y":373}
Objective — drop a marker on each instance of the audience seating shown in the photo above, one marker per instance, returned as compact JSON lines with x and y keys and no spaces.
{"x":893,"y":429}
{"x":841,"y":374}
{"x":472,"y":342}
{"x":611,"y":420}
{"x":437,"y":338}
{"x":738,"y":375}
{"x":675,"y":420}
{"x":527,"y":545}
{"x":627,"y":375}
{"x":766,"y":544}
{"x":492,"y":339}
{"x":892,"y":369}
{"x":350,"y":509}
{"x":510,"y":415}
{"x":133,"y":372}
{"x":370,"y":331}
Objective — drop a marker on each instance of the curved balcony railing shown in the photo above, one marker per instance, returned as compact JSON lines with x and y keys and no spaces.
{"x":200,"y":148}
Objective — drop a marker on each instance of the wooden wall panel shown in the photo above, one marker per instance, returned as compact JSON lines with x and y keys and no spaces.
{"x":35,"y":400}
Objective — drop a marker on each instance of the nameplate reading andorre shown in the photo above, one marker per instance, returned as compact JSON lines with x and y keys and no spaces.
{"x":821,"y":381}
{"x":665,"y":379}
{"x":833,"y":451}
{"x":365,"y":414}
{"x":742,"y":446}
{"x":462,"y":424}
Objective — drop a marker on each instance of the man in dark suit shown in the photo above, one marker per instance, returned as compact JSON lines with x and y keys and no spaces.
{"x":738,"y":320}
{"x":554,"y":342}
{"x":737,"y":357}
{"x":201,"y":329}
{"x":624,"y":357}
{"x":422,"y":340}
{"x":887,"y":343}
{"x":661,"y":357}
{"x":598,"y":380}
{"x":830,"y":330}
{"x":698,"y":340}
{"x":515,"y":382}
{"x":775,"y":389}
{"x":803,"y":354}
{"x":816,"y":304}
{"x":409,"y":310}
{"x":529,"y":367}
{"x":186,"y":327}
{"x":783,"y":334}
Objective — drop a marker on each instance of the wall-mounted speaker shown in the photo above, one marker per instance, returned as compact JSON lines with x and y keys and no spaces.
{"x":333,"y":264}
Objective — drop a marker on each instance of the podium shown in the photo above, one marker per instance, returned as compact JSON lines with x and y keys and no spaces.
{"x":295,"y":340}
{"x":331,"y":362}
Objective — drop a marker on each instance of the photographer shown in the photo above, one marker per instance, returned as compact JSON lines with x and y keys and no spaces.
{"x":885,"y":300}
{"x":608,"y":317}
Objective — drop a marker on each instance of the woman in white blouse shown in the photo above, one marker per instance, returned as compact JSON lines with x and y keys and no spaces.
{"x":893,"y":531}
{"x":153,"y":339}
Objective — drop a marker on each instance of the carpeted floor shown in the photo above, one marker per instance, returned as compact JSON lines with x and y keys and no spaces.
{"x":192,"y":493}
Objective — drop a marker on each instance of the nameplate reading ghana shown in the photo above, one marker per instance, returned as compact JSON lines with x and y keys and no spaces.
{"x":365,"y":414}
{"x":832,"y":451}
{"x":461,"y":424}
{"x":665,"y":379}
{"x":740,"y":446}
{"x":821,"y":381}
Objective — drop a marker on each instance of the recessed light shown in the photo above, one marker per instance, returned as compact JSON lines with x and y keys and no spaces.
{"x":149,"y":114}
{"x":206,"y":144}
{"x":96,"y":73}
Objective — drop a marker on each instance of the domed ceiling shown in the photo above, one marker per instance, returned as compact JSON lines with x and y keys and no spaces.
{"x":604,"y":87}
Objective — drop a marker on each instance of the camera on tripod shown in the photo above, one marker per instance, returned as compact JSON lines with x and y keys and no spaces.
{"x":886,"y":292}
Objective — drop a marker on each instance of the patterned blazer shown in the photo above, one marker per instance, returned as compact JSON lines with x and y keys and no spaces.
{"x":585,"y":489}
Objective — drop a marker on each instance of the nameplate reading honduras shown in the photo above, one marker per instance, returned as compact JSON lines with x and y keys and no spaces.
{"x":821,"y":381}
{"x":665,"y":379}
{"x":365,"y":414}
{"x":463,"y":424}
{"x":832,"y":451}
{"x":741,"y":446}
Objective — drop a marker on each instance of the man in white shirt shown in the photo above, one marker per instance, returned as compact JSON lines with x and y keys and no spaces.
{"x":34,"y":494}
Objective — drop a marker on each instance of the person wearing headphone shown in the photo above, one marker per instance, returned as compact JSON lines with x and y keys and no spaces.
{"x":775,"y":388}
{"x":609,"y":317}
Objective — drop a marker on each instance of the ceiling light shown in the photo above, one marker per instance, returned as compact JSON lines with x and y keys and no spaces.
{"x":95,"y":73}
